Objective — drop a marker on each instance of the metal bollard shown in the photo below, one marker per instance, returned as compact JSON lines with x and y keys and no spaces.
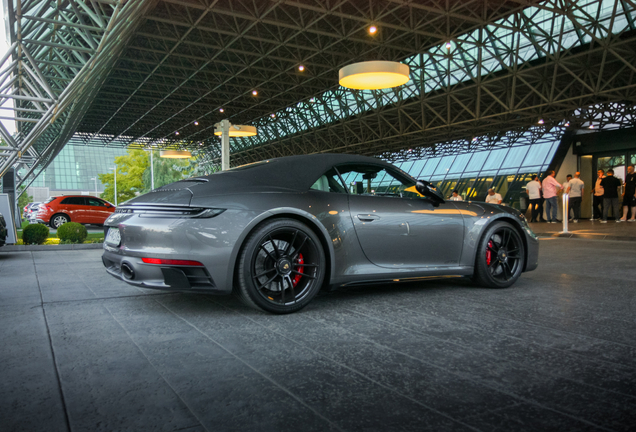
{"x":566,"y":212}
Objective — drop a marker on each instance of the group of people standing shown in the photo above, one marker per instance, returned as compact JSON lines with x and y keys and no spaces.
{"x":605,"y":193}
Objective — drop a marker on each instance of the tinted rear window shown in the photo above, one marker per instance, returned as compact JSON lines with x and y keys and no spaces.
{"x":73,"y":200}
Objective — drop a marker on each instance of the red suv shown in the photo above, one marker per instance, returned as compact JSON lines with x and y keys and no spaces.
{"x":82,"y":209}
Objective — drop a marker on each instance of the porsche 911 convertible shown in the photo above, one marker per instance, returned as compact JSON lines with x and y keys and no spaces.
{"x":277,"y":231}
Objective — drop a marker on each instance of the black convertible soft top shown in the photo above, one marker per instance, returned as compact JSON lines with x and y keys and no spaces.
{"x":285,"y":174}
{"x":291,"y":172}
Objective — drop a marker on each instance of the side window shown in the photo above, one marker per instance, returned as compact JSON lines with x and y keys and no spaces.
{"x":329,"y":182}
{"x":73,"y":200}
{"x":94,"y":202}
{"x":373,"y":180}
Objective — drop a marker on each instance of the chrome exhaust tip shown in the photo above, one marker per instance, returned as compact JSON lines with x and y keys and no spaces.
{"x":127,"y":271}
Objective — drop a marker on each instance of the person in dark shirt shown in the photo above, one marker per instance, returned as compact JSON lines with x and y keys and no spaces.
{"x":610,"y":185}
{"x":629,"y":197}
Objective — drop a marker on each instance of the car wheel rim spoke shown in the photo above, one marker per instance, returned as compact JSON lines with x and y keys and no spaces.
{"x":284,"y":268}
{"x":505,"y":249}
{"x":303,"y":274}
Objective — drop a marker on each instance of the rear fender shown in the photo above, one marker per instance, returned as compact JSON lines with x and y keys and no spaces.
{"x":294,"y":213}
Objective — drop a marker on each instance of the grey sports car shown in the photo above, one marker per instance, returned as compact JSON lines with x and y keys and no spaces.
{"x":277,"y":231}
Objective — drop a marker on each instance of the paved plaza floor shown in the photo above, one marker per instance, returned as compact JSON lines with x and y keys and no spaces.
{"x":589,"y":229}
{"x":81,"y":351}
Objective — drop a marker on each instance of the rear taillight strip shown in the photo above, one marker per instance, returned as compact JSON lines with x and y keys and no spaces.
{"x":160,"y":261}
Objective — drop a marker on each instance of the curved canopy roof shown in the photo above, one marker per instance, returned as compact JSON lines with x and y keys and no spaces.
{"x":120,"y":73}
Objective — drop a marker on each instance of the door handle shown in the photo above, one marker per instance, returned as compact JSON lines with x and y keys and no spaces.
{"x":368,"y":217}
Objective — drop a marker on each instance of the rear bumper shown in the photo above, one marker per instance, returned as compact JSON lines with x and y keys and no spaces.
{"x":133,"y":271}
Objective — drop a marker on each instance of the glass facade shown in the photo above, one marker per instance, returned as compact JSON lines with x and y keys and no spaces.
{"x":73,"y":168}
{"x":472,"y":174}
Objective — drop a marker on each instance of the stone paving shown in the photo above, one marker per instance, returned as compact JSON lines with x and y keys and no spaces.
{"x":81,"y":351}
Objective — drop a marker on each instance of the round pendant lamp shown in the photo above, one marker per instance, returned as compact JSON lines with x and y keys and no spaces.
{"x":374,"y":75}
{"x":238,"y":131}
{"x":175,"y":154}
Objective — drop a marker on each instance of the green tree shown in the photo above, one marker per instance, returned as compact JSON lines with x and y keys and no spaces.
{"x":130,"y":171}
{"x":24,"y":199}
{"x":166,"y":171}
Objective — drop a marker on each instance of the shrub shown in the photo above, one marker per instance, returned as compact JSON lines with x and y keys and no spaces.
{"x":35,"y":234}
{"x":72,"y":232}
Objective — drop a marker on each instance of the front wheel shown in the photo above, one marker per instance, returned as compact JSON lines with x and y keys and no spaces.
{"x":500,"y":256}
{"x":58,"y":220}
{"x":281,"y":267}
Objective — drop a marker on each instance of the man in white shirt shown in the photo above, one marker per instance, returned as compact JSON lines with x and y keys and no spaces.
{"x":575,"y":190}
{"x":566,"y":187}
{"x":455,"y":196}
{"x":533,"y":189}
{"x":492,"y":197}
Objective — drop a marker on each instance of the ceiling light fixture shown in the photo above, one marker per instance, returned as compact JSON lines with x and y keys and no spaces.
{"x":591,"y":126}
{"x":221,"y":110}
{"x":237,"y":131}
{"x":373,"y":29}
{"x":448,"y":45}
{"x":272,"y":115}
{"x":540,"y":121}
{"x":374,"y":75}
{"x":254,"y":93}
{"x":175,"y":154}
{"x":301,"y":68}
{"x":196,"y":123}
{"x":176,"y":133}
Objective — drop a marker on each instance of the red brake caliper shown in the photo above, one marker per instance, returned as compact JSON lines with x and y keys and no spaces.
{"x":489,"y":253}
{"x":297,"y":277}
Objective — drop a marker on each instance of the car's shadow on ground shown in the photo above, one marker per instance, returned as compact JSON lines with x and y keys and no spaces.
{"x":337,"y":300}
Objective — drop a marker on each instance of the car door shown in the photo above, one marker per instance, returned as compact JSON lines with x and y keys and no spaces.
{"x":395,"y":225}
{"x":75,"y":207}
{"x":98,"y":211}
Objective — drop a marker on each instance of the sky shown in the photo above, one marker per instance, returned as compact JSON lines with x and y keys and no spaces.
{"x":4,"y":47}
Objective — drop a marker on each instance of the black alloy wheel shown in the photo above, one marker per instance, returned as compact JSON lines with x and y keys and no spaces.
{"x":281,"y":267}
{"x":500,"y":256}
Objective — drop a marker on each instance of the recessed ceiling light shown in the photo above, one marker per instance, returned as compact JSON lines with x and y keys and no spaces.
{"x":373,"y":29}
{"x":301,"y":68}
{"x":254,"y":93}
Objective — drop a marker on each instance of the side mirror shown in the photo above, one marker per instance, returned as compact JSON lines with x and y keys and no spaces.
{"x":430,"y":191}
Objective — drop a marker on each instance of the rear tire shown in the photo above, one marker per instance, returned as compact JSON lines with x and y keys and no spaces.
{"x":281,"y":267}
{"x":500,"y":256}
{"x":59,"y":219}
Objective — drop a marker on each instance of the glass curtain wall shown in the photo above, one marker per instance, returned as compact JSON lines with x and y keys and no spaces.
{"x":73,"y":168}
{"x":472,"y":174}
